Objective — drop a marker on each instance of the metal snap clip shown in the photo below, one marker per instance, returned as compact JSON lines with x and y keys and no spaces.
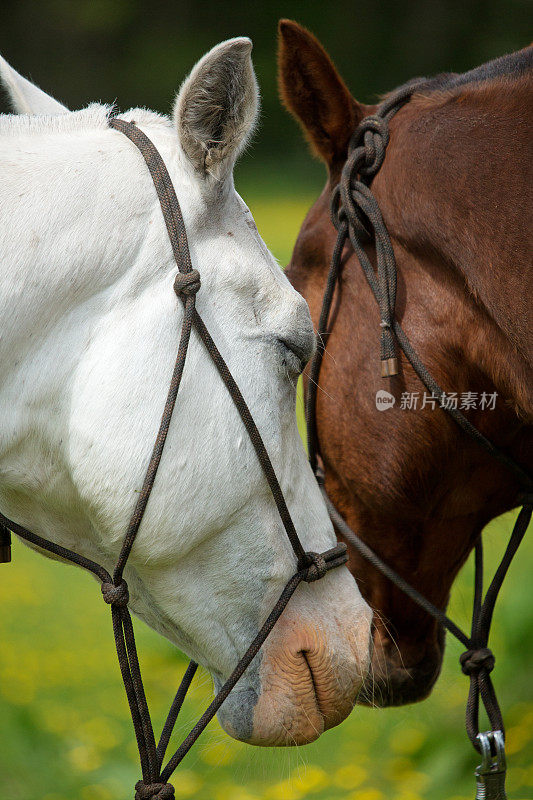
{"x":490,"y":774}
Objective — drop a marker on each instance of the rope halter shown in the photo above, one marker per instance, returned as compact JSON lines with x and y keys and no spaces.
{"x":310,"y":566}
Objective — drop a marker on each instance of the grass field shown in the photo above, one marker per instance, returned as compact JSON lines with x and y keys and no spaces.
{"x":65,"y":732}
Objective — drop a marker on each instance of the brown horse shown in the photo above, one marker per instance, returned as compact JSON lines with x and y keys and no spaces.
{"x":454,"y":192}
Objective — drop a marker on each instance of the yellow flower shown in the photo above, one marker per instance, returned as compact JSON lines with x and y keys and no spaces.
{"x":516,"y":739}
{"x":413,"y":782}
{"x":101,"y":732}
{"x":408,"y":795}
{"x":407,"y":740}
{"x":350,"y":776}
{"x":366,"y":794}
{"x":84,"y":759}
{"x":284,"y":790}
{"x":186,"y":783}
{"x":312,"y":779}
{"x":219,"y":753}
{"x":231,"y":792}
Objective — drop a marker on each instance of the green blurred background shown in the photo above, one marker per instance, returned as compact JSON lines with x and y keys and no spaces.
{"x":137,"y":53}
{"x":64,"y":727}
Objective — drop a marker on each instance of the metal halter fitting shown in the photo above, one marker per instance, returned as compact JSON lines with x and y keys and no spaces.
{"x":490,"y":774}
{"x":356,"y":216}
{"x":310,"y":566}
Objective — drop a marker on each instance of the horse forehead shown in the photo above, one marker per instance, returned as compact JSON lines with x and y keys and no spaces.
{"x":220,"y":228}
{"x":225,"y":232}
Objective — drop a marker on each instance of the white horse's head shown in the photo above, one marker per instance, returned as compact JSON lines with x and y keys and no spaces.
{"x":90,"y":326}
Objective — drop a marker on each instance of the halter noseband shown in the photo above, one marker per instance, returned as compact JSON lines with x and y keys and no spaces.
{"x":356,"y":216}
{"x":310,"y":566}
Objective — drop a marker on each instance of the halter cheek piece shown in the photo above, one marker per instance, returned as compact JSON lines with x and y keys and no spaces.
{"x":356,"y":216}
{"x":310,"y":566}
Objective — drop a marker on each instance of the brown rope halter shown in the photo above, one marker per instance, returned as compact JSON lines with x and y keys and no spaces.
{"x":356,"y":216}
{"x":310,"y":566}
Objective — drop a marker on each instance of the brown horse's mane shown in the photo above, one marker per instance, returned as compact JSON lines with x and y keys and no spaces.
{"x":456,"y":186}
{"x":510,"y":66}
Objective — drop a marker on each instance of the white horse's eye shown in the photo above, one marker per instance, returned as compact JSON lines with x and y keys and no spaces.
{"x":296,"y":352}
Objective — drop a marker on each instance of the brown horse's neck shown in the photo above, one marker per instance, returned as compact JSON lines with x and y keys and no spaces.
{"x":453,"y":190}
{"x":453,"y":195}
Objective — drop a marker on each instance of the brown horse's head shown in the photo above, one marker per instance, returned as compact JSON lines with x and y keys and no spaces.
{"x":453,"y":191}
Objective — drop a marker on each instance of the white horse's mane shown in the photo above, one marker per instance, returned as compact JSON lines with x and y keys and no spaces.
{"x":95,"y":116}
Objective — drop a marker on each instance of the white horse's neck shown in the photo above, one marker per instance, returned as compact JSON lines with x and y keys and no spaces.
{"x":57,"y":176}
{"x":71,"y":269}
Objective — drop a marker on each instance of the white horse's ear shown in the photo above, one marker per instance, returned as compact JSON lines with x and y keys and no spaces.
{"x":25,"y":97}
{"x":217,"y":107}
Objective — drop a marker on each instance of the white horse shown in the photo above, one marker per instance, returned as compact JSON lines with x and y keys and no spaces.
{"x":89,"y":330}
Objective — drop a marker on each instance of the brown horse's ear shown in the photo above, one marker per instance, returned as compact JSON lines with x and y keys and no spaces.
{"x":314,"y":92}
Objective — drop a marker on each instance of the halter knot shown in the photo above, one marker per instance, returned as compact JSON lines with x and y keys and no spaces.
{"x":373,"y":135}
{"x":345,"y":205}
{"x":374,"y":124}
{"x":337,"y":212}
{"x":186,"y":284}
{"x":153,"y":791}
{"x":315,"y":566}
{"x":116,"y":595}
{"x":473,"y":661}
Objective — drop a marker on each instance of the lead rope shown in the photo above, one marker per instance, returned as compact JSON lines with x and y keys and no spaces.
{"x":357,"y":217}
{"x":310,"y":566}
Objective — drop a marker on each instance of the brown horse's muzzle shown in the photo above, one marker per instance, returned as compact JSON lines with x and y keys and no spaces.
{"x":403,"y":671}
